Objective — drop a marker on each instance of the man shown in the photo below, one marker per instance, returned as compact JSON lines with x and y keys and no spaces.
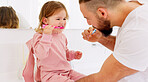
{"x":128,"y":63}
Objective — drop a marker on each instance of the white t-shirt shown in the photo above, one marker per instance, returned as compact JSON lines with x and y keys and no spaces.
{"x":131,"y":48}
{"x":140,"y":1}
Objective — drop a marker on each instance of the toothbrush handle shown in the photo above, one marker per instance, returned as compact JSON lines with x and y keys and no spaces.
{"x":59,"y":27}
{"x":94,"y":31}
{"x":54,"y":27}
{"x":44,"y":25}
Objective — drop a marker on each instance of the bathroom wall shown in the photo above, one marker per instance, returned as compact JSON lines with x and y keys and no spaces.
{"x":13,"y":53}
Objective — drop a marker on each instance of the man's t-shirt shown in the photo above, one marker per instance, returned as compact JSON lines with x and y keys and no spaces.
{"x":131,"y":48}
{"x":140,"y":1}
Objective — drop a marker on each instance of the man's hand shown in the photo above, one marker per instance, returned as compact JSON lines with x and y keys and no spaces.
{"x":87,"y":35}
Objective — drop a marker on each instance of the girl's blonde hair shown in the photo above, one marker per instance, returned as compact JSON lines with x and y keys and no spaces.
{"x":8,"y":18}
{"x":48,"y":9}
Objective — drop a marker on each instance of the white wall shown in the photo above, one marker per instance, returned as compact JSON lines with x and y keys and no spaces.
{"x":13,"y":53}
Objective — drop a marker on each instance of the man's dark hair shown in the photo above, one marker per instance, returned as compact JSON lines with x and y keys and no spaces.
{"x":93,"y":5}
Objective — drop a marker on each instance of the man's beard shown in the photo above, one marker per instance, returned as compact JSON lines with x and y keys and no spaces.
{"x":104,"y":26}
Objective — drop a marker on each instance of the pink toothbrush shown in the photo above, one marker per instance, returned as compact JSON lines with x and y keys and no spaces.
{"x":54,"y":27}
{"x":59,"y":27}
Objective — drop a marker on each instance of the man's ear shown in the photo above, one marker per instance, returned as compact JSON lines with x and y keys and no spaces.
{"x":102,"y":12}
{"x":44,"y":20}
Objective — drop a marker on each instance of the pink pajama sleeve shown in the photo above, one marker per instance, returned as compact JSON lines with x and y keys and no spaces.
{"x":70,"y":54}
{"x":41,"y":48}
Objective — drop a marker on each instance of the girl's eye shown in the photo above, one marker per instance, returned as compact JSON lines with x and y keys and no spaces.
{"x":57,"y":19}
{"x":64,"y":19}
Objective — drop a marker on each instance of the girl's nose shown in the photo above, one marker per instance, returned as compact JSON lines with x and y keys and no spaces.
{"x":62,"y":23}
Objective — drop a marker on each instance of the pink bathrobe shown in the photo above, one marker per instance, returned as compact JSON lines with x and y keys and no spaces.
{"x":51,"y":55}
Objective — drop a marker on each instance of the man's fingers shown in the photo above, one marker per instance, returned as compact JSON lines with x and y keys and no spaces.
{"x":87,"y":33}
{"x":97,"y":33}
{"x":84,"y":36}
{"x":91,"y":29}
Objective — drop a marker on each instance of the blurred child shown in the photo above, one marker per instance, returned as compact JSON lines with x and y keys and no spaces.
{"x":8,"y":18}
{"x":49,"y":45}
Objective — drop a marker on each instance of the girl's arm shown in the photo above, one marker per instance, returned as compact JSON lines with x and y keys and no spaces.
{"x":70,"y":54}
{"x":42,"y":46}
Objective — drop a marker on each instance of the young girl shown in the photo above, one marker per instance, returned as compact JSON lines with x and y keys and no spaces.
{"x":49,"y":45}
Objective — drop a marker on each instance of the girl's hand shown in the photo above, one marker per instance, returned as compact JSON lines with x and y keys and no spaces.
{"x":87,"y":35}
{"x":78,"y":55}
{"x":48,"y":29}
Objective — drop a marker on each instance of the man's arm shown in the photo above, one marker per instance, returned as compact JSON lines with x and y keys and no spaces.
{"x":111,"y":71}
{"x":108,"y":42}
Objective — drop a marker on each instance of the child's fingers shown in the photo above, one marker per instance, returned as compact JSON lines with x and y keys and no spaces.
{"x":49,"y":27}
{"x":79,"y":56}
{"x":80,"y":53}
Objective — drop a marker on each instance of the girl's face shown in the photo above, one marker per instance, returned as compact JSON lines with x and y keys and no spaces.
{"x":58,"y":19}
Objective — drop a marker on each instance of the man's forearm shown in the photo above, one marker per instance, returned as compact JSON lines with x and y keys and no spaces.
{"x":111,"y":71}
{"x":90,"y":78}
{"x":97,"y":77}
{"x":108,"y":42}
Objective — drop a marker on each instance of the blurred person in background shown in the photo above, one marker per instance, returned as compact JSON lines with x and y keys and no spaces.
{"x":8,"y":18}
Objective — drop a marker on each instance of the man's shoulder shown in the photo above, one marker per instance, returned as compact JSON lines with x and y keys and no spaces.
{"x":143,"y":9}
{"x":137,"y":17}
